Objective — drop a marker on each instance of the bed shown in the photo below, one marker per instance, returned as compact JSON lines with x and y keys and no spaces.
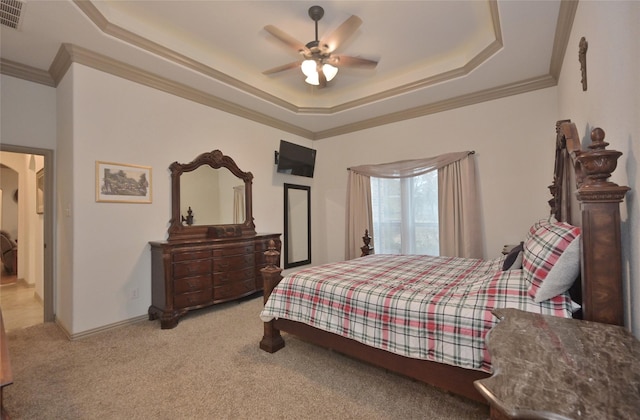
{"x":427,"y":317}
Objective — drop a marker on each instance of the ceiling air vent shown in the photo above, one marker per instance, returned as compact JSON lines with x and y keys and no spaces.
{"x":10,"y":11}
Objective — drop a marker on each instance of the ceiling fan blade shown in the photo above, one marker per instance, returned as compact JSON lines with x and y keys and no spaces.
{"x":343,"y":32}
{"x":295,"y":64}
{"x":286,"y":38}
{"x":348,"y":61}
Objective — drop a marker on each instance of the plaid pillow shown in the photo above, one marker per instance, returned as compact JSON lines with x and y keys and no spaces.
{"x":537,"y":225}
{"x":551,"y":260}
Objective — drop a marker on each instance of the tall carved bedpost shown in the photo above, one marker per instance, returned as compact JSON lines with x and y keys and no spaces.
{"x":600,"y":202}
{"x":366,"y":249}
{"x":271,"y":340}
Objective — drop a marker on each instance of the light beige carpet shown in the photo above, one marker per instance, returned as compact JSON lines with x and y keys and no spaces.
{"x":209,"y":367}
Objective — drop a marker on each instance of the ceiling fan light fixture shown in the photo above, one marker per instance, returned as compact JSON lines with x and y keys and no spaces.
{"x":329,"y":71}
{"x":314,"y":79}
{"x":308,"y":67}
{"x":318,"y":54}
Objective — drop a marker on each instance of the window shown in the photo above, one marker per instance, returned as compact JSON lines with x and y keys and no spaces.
{"x":405,"y":214}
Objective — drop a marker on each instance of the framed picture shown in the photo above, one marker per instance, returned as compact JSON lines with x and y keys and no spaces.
{"x":40,"y":191}
{"x":121,"y":183}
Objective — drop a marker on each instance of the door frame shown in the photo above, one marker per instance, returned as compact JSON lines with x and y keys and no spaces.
{"x":48,"y":216}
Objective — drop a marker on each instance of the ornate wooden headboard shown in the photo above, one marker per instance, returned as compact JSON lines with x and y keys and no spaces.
{"x":599,"y":201}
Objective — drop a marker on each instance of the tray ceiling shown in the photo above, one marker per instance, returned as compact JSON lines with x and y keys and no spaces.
{"x":433,"y":55}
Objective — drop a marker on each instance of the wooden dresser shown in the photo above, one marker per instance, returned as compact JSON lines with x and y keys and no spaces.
{"x":213,"y":254}
{"x":194,"y":274}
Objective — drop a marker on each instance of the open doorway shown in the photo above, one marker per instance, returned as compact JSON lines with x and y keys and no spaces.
{"x":27,"y":225}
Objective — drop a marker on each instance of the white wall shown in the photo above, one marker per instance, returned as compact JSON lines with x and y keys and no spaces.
{"x":28,"y":116}
{"x":65,"y":299}
{"x":514,"y":141}
{"x":105,"y":245}
{"x":612,"y":102}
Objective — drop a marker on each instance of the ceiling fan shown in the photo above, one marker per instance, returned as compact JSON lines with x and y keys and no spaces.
{"x":319,"y":64}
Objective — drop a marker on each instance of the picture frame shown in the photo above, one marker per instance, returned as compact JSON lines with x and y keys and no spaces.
{"x":40,"y":191}
{"x":123,"y":183}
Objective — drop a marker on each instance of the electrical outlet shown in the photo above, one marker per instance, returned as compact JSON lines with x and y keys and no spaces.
{"x":135,"y":293}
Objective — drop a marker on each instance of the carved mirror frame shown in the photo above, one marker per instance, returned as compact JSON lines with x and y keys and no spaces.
{"x":215,"y":159}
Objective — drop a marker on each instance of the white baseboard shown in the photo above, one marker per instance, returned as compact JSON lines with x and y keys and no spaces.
{"x":104,"y":328}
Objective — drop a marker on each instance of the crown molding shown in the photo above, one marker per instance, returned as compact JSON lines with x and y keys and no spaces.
{"x":68,"y":54}
{"x":563,"y":31}
{"x":92,"y":12}
{"x":511,"y":89}
{"x":471,"y":65}
{"x":22,"y":71}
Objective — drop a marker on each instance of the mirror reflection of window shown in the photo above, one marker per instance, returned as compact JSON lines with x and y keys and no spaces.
{"x":213,"y":196}
{"x":238,"y":204}
{"x":297,"y":208}
{"x":297,"y":225}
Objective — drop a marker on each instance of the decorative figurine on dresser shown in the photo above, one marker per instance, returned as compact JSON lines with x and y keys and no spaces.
{"x":213,"y":254}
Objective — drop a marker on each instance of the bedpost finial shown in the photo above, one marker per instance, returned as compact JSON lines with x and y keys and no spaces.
{"x":598,"y":163}
{"x":597,"y":139}
{"x":271,"y":255}
{"x":366,"y":249}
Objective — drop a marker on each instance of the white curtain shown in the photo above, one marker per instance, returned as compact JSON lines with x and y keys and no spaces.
{"x":458,"y":210}
{"x":457,"y":191}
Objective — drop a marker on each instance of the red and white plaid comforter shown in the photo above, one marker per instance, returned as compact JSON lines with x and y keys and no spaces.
{"x":425,"y":307}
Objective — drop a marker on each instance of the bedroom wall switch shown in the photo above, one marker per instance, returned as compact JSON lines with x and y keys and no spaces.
{"x":135,"y":293}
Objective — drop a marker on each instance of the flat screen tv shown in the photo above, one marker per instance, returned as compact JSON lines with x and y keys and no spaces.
{"x":294,"y":159}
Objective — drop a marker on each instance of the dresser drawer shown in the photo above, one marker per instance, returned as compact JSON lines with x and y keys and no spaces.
{"x":260,"y":258}
{"x":185,"y":300}
{"x":198,"y":269}
{"x":234,"y":290}
{"x":191,"y":268}
{"x":191,"y":255}
{"x":192,"y":284}
{"x":234,"y":250}
{"x":238,"y":262}
{"x":223,"y":278}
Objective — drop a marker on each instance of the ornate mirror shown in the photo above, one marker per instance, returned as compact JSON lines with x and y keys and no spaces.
{"x":210,"y":198}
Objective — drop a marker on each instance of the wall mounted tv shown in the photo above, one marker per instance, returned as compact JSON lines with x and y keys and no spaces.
{"x":294,"y":159}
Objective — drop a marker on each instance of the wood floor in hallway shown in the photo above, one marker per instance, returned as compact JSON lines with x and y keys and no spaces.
{"x":20,"y":305}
